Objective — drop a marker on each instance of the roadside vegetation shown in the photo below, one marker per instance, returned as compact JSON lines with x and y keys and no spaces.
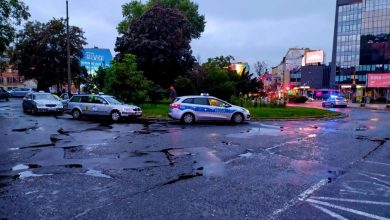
{"x":160,"y":110}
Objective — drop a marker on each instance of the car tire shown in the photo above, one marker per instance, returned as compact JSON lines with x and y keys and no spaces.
{"x":115,"y":116}
{"x":188,"y":118}
{"x":323,"y":105}
{"x":76,"y":114}
{"x":24,"y":109}
{"x":237,"y":118}
{"x":6,"y":99}
{"x":331,"y":105}
{"x":34,"y":110}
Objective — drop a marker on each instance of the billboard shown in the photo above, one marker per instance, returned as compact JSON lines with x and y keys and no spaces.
{"x":375,"y":49}
{"x":375,"y":80}
{"x":93,"y":58}
{"x":314,"y":57}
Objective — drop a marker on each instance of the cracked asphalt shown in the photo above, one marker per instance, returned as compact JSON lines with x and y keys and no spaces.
{"x":54,"y":167}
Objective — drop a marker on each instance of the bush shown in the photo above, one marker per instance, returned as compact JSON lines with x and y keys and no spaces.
{"x":297,"y":99}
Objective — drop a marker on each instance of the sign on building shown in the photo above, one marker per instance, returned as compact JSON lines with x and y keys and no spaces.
{"x":378,"y":80}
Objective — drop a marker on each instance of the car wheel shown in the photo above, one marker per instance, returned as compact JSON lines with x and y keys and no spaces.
{"x":323,"y":105}
{"x":115,"y":115}
{"x":331,"y":105}
{"x":24,"y":109}
{"x":237,"y":118}
{"x":76,"y":114}
{"x":6,"y":99}
{"x":34,"y":110}
{"x":188,"y":118}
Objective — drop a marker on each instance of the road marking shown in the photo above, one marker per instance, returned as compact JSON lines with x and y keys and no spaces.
{"x":301,"y":197}
{"x":327,"y":211}
{"x":351,"y":200}
{"x":312,"y":189}
{"x":374,"y":162}
{"x":354,"y":211}
{"x":374,"y":178}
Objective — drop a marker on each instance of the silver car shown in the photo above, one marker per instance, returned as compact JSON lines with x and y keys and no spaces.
{"x":334,"y":101}
{"x":101,"y":105}
{"x":36,"y":102}
{"x":189,"y":109}
{"x":20,"y":92}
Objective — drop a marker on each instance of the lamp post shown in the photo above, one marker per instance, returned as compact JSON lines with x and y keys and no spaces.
{"x":68,"y":52}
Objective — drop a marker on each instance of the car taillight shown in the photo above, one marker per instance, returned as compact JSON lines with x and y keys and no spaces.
{"x":175,"y":105}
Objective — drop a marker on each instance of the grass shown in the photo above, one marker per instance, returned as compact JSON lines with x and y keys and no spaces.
{"x":161,"y":110}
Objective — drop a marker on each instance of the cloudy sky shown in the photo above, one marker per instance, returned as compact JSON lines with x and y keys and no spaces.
{"x":249,"y":30}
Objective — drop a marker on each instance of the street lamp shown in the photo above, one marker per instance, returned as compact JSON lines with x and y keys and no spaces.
{"x":68,"y":51}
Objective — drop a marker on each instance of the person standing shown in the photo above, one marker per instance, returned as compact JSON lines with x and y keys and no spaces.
{"x":172,"y":94}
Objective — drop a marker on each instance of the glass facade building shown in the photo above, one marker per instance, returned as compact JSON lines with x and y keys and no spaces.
{"x":361,"y":43}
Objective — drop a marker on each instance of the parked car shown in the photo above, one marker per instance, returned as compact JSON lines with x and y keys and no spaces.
{"x":334,"y":101}
{"x":36,"y":102}
{"x":4,"y":94}
{"x":101,"y":105}
{"x":203,"y":107}
{"x":20,"y":92}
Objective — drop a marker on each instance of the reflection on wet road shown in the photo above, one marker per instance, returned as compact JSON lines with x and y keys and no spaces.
{"x":259,"y":170}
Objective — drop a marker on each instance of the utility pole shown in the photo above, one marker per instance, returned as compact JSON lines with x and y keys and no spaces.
{"x":68,"y":52}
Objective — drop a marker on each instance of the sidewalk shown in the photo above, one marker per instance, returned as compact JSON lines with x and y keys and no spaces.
{"x":369,"y":106}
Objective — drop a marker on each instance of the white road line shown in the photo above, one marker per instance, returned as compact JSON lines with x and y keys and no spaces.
{"x":312,"y":189}
{"x":327,"y":211}
{"x":374,"y":162}
{"x":354,"y":211}
{"x":374,"y":178}
{"x":301,"y":197}
{"x":350,"y":200}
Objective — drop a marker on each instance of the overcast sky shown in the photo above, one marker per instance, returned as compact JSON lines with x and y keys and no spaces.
{"x":249,"y":30}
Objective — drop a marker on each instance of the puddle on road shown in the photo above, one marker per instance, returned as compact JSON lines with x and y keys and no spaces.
{"x":256,"y":132}
{"x":25,"y":167}
{"x":97,"y":173}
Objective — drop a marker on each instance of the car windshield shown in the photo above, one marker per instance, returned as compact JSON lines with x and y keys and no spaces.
{"x":113,"y":101}
{"x":43,"y":96}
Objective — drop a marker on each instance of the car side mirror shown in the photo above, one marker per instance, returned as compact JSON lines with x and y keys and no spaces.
{"x":227,"y":106}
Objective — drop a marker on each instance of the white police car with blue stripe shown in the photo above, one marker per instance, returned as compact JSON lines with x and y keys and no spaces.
{"x":189,"y":109}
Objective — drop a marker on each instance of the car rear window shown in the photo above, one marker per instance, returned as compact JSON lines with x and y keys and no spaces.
{"x":189,"y":101}
{"x":201,"y":101}
{"x":75,"y":99}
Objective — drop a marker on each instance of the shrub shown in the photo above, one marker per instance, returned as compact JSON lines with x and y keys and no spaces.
{"x":297,"y":99}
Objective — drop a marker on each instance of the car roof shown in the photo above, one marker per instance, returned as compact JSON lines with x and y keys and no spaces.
{"x":196,"y":96}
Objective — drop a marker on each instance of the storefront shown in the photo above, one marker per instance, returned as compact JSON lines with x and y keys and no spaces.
{"x":378,"y":87}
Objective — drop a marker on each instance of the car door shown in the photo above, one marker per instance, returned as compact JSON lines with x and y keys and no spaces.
{"x":100,"y":106}
{"x":219,"y":109}
{"x":201,"y":108}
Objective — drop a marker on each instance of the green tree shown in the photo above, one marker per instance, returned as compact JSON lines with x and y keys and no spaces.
{"x":126,"y":82}
{"x":160,"y":39}
{"x":184,"y":86}
{"x":156,"y":93}
{"x":219,"y":79}
{"x":135,"y":9}
{"x":12,"y":12}
{"x":40,"y":52}
{"x":246,"y":83}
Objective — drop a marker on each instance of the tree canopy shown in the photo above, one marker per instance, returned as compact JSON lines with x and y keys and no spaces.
{"x":135,"y":9}
{"x":12,"y":12}
{"x":125,"y":81}
{"x":40,"y":52}
{"x":160,"y":39}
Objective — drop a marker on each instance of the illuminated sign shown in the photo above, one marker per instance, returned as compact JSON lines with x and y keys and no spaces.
{"x":93,"y":58}
{"x":378,"y":80}
{"x":314,"y":57}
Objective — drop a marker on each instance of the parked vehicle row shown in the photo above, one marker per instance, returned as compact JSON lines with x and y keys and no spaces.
{"x":187,"y":109}
{"x":79,"y":105}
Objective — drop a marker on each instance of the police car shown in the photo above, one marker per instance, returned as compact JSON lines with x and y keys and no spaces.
{"x":203,"y":107}
{"x":101,"y":105}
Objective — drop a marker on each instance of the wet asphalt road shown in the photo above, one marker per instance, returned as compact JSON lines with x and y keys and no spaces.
{"x":53,"y":167}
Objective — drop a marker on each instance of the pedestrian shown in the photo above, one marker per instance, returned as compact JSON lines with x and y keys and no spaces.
{"x":172,"y":94}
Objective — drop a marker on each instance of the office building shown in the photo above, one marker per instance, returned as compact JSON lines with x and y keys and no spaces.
{"x":361,"y":48}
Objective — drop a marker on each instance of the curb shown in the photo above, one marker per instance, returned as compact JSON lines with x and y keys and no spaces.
{"x":340,"y":116}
